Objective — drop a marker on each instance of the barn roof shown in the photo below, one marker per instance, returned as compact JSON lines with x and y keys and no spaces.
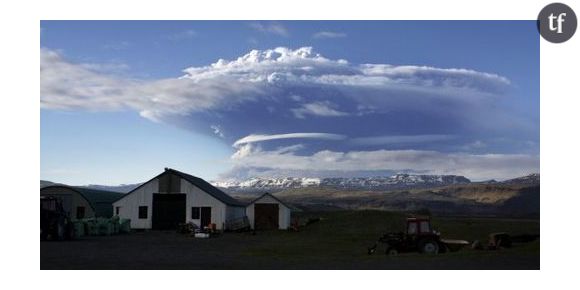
{"x":277,"y":199}
{"x":207,"y":187}
{"x":101,"y":200}
{"x":198,"y":182}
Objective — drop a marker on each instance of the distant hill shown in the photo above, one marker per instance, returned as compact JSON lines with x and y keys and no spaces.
{"x":442,"y":194}
{"x":122,"y":188}
{"x":526,"y":202}
{"x":44,"y":183}
{"x":464,"y":199}
{"x":530,"y":179}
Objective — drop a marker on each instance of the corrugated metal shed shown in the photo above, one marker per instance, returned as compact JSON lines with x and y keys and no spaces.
{"x":101,"y":201}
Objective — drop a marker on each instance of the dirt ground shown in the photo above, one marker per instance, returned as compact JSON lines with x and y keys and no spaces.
{"x":335,"y":242}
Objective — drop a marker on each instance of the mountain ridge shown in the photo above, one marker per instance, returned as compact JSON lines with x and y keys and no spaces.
{"x":379,"y":183}
{"x":445,"y":195}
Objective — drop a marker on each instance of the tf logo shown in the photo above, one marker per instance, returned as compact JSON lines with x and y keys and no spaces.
{"x":557,"y":22}
{"x":560,"y":19}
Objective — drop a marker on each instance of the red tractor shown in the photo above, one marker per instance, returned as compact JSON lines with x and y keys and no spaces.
{"x":420,"y":237}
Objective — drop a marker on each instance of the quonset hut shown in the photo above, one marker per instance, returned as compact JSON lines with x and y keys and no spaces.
{"x":81,"y":202}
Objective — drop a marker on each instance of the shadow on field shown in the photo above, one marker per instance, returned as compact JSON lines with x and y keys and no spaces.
{"x":339,"y":240}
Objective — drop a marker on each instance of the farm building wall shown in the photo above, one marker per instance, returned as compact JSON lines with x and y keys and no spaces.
{"x":235,"y":212}
{"x":70,"y":200}
{"x":198,"y":198}
{"x":129,"y":205}
{"x":283,"y":212}
{"x":171,"y":183}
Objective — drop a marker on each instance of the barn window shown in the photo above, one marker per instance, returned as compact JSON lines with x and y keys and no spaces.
{"x":195,"y":213}
{"x":117,"y":210}
{"x":80,"y":212}
{"x":142,"y":212}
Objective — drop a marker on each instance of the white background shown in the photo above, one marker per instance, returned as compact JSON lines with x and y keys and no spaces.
{"x":20,"y":153}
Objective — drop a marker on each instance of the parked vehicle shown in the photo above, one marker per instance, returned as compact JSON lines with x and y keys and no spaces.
{"x":55,"y":224}
{"x":419,"y":237}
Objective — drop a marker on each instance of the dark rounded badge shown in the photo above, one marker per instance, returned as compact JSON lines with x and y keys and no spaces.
{"x":557,"y":22}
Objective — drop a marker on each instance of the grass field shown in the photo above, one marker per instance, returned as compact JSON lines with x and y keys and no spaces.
{"x":338,"y":241}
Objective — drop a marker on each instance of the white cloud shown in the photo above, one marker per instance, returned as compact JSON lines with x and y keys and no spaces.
{"x":270,"y":27}
{"x":385,"y":140}
{"x":217,"y":130}
{"x":476,"y":167}
{"x":110,"y":68}
{"x":322,"y":109}
{"x":267,"y":77}
{"x":259,"y":138}
{"x":66,"y":85}
{"x":328,"y":34}
{"x":296,"y":98}
{"x":264,"y":75}
{"x":476,"y":145}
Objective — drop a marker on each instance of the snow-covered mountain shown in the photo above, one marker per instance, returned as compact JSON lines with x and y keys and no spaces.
{"x":395,"y":182}
{"x":398,"y":181}
{"x":269,"y":183}
{"x":533,"y":178}
{"x":123,"y":188}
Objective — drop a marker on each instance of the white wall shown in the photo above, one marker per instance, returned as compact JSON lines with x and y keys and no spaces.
{"x":283,"y":212}
{"x":130,"y":204}
{"x":195,"y":197}
{"x":199,"y":198}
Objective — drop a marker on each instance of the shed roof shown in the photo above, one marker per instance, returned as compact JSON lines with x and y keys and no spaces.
{"x":101,"y":200}
{"x":277,"y":199}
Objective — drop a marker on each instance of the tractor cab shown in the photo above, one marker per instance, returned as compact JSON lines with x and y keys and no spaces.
{"x":419,"y":237}
{"x":419,"y":226}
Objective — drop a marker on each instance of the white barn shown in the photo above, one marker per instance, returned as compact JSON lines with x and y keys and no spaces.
{"x":268,"y":212}
{"x":174,"y":197}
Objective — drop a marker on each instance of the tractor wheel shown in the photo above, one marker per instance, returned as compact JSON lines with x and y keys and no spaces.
{"x":429,"y":247}
{"x":392,"y":251}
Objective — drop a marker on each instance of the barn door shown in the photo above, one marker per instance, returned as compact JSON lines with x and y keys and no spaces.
{"x":205,"y":218}
{"x":168,"y":211}
{"x":266,"y":216}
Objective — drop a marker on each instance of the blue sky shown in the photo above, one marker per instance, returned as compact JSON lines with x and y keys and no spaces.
{"x":120,"y":100}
